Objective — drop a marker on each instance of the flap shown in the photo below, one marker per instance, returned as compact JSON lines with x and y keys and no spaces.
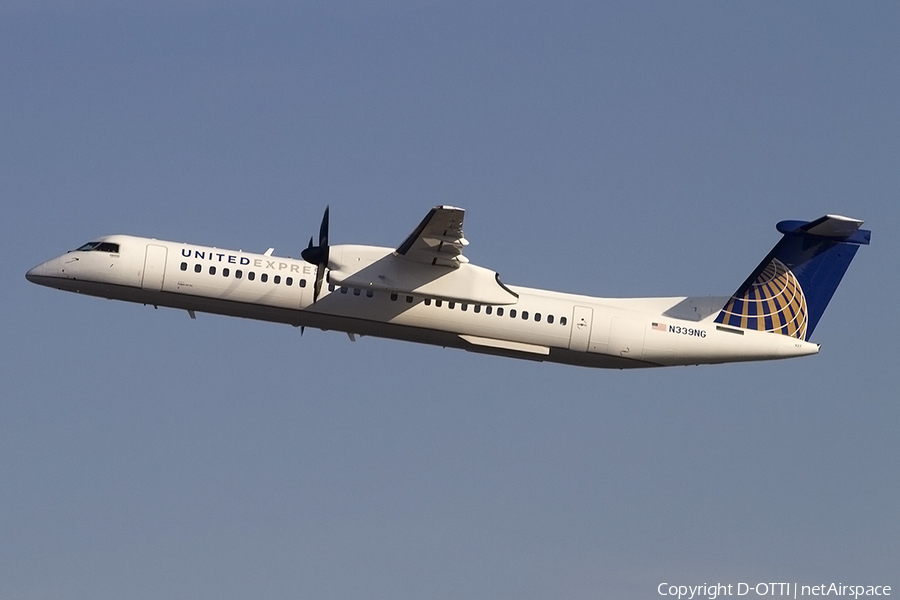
{"x":438,"y":240}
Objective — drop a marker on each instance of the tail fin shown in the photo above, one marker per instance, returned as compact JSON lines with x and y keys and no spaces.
{"x":789,"y":290}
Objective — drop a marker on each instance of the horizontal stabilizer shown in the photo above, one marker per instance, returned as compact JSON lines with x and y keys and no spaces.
{"x":831,"y":226}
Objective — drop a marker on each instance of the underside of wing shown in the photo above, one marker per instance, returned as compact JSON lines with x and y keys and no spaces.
{"x":438,"y":240}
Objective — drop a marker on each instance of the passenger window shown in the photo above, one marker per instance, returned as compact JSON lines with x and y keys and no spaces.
{"x":550,"y":319}
{"x":289,"y":282}
{"x":524,"y":315}
{"x":343,"y":290}
{"x":488,"y":310}
{"x":198,"y":267}
{"x":463,"y":307}
{"x":356,"y":291}
{"x":537,"y":317}
{"x":512,"y":313}
{"x":276,"y":280}
{"x":562,"y":320}
{"x":369,"y":293}
{"x":264,"y":277}
{"x":477,"y":308}
{"x":438,"y":303}
{"x":393,"y":296}
{"x":330,"y":286}
{"x":451,"y":305}
{"x":184,"y":266}
{"x":409,"y":299}
{"x":499,"y":311}
{"x":238,"y":274}
{"x":427,"y":301}
{"x":212,"y":270}
{"x":302,"y":282}
{"x":251,"y":275}
{"x":225,"y":272}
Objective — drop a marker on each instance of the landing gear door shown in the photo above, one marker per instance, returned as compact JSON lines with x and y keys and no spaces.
{"x":581,"y":328}
{"x":154,"y":268}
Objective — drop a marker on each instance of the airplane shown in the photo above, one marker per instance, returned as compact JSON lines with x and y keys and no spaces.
{"x":425,"y":290}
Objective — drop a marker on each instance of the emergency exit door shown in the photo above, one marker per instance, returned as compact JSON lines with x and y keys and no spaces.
{"x":581,"y":328}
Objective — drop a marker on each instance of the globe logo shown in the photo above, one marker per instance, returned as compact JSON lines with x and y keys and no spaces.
{"x":774,"y":302}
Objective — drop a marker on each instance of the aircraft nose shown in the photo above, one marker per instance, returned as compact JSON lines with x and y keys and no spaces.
{"x":34,"y":273}
{"x":40,"y":272}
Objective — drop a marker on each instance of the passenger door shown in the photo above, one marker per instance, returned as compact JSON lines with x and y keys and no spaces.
{"x":154,"y":268}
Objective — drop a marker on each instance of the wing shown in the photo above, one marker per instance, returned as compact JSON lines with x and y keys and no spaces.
{"x":428,"y":264}
{"x":438,"y":240}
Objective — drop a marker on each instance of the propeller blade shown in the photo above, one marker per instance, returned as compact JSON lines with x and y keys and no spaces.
{"x":323,"y":230}
{"x":317,"y":286}
{"x":318,"y":255}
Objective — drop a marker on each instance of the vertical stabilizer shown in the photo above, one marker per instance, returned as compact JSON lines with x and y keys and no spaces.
{"x":789,"y":290}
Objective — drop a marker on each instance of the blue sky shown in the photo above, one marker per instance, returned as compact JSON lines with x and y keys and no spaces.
{"x":606,"y":149}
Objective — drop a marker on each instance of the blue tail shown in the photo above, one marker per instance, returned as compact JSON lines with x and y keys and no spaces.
{"x":789,"y":290}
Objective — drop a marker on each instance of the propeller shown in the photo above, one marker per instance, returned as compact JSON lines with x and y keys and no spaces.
{"x":318,"y":255}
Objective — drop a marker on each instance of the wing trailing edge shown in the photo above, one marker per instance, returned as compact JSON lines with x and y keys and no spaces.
{"x":438,"y":240}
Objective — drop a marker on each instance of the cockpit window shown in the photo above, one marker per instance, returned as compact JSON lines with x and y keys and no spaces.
{"x":99,"y":247}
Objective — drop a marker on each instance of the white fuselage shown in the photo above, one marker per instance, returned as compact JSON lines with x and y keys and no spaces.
{"x":539,"y":325}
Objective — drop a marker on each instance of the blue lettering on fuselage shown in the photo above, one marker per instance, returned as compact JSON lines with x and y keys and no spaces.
{"x":231,"y":258}
{"x":243,"y":260}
